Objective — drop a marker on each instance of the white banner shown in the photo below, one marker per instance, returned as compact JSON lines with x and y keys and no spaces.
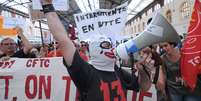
{"x":60,"y":5}
{"x":101,"y":22}
{"x":44,"y":79}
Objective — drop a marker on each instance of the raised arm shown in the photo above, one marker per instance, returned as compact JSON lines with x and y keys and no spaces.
{"x":27,"y":45}
{"x":60,"y":34}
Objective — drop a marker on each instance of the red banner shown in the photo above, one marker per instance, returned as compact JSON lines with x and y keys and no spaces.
{"x":191,"y":50}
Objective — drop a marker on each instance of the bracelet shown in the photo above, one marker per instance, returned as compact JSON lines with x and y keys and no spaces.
{"x":48,"y":8}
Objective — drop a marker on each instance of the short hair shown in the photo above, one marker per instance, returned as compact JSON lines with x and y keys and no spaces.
{"x":173,"y":43}
{"x":7,"y":39}
{"x":181,"y":37}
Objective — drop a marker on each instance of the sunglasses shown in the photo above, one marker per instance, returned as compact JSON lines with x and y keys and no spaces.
{"x":105,"y":45}
{"x":83,"y":45}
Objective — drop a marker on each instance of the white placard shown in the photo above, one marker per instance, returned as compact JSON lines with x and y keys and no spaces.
{"x":60,"y":5}
{"x":90,"y":25}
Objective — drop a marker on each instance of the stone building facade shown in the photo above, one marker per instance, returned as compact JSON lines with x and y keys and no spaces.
{"x":177,"y":12}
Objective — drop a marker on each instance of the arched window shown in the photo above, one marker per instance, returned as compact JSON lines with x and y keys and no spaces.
{"x":138,"y":27}
{"x":169,"y":16}
{"x":167,"y":1}
{"x":185,"y":10}
{"x":135,"y":29}
{"x":157,"y":6}
{"x":149,"y":11}
{"x":143,"y":25}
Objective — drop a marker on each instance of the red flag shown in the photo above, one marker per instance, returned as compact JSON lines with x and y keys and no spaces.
{"x":191,"y":50}
{"x":71,"y":31}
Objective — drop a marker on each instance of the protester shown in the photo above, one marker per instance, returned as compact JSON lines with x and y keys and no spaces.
{"x":176,"y":87}
{"x":55,"y":52}
{"x":97,"y":81}
{"x":10,"y":48}
{"x":83,"y":50}
{"x":35,"y":52}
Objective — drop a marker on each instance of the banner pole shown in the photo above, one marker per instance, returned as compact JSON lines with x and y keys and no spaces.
{"x":41,"y":32}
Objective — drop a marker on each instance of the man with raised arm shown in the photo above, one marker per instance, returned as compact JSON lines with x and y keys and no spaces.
{"x":9,"y":46}
{"x":96,"y":80}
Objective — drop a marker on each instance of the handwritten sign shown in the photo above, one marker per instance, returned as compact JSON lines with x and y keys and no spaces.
{"x":101,"y":22}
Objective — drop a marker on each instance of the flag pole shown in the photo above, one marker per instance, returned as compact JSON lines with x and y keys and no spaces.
{"x":41,"y":32}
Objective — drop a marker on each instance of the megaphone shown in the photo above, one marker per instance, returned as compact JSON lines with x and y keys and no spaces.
{"x":159,"y":30}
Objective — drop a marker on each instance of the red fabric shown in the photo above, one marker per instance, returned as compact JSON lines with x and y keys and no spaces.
{"x":83,"y":56}
{"x":191,"y":50}
{"x":58,"y":54}
{"x":71,"y":31}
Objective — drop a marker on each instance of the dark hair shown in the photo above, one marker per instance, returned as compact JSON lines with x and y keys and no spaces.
{"x":173,"y":43}
{"x":181,"y":37}
{"x":157,"y":58}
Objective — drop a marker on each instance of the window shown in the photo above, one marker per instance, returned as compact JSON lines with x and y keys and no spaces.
{"x":169,"y":16}
{"x":138,"y":27}
{"x":146,"y":13}
{"x":143,"y":25}
{"x":157,"y":6}
{"x":132,"y":30}
{"x":149,"y":11}
{"x":185,"y":10}
{"x":167,"y":1}
{"x":135,"y":29}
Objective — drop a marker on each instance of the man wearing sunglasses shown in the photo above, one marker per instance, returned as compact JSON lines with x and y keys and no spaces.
{"x":96,"y":80}
{"x":83,"y":50}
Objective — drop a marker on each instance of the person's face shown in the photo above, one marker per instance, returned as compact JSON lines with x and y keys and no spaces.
{"x":83,"y":46}
{"x":35,"y":51}
{"x":167,"y":47}
{"x":145,"y":50}
{"x":56,"y":45}
{"x":102,"y":50}
{"x":8,"y":46}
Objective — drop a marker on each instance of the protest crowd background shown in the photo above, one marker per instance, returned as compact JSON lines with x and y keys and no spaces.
{"x":153,"y":46}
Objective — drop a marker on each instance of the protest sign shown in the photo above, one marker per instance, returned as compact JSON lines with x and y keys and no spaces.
{"x":101,"y":22}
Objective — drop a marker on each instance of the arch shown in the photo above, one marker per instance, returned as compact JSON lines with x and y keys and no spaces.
{"x":169,"y":15}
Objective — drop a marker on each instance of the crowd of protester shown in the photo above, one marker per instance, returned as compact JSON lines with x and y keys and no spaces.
{"x":163,"y":67}
{"x":160,"y":62}
{"x":169,"y":83}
